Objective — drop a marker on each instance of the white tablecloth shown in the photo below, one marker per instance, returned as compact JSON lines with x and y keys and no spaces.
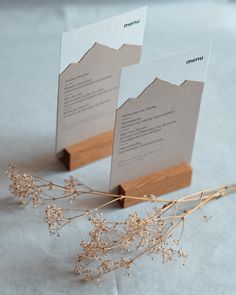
{"x":32,"y":262}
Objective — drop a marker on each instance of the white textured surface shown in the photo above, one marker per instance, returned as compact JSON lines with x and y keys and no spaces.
{"x":34,"y":263}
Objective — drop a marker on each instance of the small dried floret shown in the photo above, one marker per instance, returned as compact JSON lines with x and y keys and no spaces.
{"x":71,"y":188}
{"x":54,"y":218}
{"x":151,"y":198}
{"x":206,"y":218}
{"x":23,"y":185}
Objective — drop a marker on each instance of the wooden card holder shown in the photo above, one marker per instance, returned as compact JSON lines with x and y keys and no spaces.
{"x":88,"y":151}
{"x":157,"y":183}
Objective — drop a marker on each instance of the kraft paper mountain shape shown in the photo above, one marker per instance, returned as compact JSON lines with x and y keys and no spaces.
{"x":155,"y":130}
{"x":102,"y":56}
{"x":90,"y":73}
{"x":89,"y":91}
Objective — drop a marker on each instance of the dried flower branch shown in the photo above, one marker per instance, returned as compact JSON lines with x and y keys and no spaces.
{"x":32,"y":189}
{"x":113,"y":245}
{"x":138,"y":236}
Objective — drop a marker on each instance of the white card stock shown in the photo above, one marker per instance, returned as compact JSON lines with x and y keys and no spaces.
{"x":157,"y":117}
{"x":91,"y":59}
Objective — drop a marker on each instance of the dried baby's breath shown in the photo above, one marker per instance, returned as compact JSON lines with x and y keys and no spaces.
{"x":32,"y":189}
{"x":113,"y":245}
{"x":206,"y":218}
{"x":24,"y":185}
{"x":54,"y":218}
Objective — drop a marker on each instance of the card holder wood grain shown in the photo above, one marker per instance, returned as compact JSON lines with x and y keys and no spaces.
{"x":157,"y":183}
{"x":88,"y":151}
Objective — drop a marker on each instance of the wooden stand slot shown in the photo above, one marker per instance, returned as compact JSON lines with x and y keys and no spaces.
{"x":158,"y":183}
{"x":88,"y":151}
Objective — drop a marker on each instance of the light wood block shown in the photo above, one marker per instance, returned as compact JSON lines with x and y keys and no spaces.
{"x":158,"y":183}
{"x":88,"y":151}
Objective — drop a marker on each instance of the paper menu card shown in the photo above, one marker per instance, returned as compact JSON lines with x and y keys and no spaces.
{"x":156,"y":118}
{"x":91,"y":59}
